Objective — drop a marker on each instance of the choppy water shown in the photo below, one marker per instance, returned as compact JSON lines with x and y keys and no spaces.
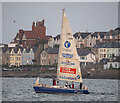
{"x":21,"y":89}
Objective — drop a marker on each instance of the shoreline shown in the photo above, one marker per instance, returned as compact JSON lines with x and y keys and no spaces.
{"x":103,"y":74}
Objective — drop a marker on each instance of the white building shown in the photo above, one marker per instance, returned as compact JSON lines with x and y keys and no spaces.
{"x":86,"y":57}
{"x":113,"y":64}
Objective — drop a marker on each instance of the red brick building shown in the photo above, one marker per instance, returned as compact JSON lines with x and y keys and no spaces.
{"x":29,"y":38}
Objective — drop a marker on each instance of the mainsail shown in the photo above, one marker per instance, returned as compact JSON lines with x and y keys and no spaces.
{"x":68,"y":61}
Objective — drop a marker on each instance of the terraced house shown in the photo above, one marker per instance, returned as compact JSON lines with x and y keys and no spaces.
{"x":27,"y":56}
{"x":49,"y":56}
{"x":17,"y":56}
{"x":112,"y":35}
{"x":106,"y":50}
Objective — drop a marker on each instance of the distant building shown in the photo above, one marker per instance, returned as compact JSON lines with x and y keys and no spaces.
{"x":86,"y":57}
{"x":49,"y":56}
{"x":5,"y":56}
{"x":29,"y":38}
{"x":17,"y":56}
{"x":112,"y":36}
{"x":54,"y":41}
{"x":95,"y":38}
{"x":106,"y":50}
{"x":113,"y":64}
{"x":27,"y":56}
{"x":81,"y":39}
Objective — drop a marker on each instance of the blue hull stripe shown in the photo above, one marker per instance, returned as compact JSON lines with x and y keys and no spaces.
{"x":58,"y":90}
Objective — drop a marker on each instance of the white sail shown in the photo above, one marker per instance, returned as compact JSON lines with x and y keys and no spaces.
{"x":68,"y":61}
{"x":37,"y":81}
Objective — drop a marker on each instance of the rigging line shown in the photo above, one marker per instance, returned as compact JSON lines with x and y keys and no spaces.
{"x":58,"y":26}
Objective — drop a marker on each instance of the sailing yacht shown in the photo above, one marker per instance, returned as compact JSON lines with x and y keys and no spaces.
{"x":68,"y":63}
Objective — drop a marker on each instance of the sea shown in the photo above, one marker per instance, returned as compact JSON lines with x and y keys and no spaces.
{"x":21,"y":89}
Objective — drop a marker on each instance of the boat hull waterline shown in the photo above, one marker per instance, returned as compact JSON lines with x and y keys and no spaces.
{"x":58,"y":90}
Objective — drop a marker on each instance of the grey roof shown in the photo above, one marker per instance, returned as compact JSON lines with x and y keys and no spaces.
{"x":4,"y":49}
{"x":52,"y":50}
{"x":82,"y":34}
{"x":81,"y":52}
{"x":116,"y":59}
{"x":104,"y":60}
{"x":95,"y":34}
{"x":57,"y":37}
{"x":114,"y":32}
{"x":107,"y":45}
{"x":84,"y":52}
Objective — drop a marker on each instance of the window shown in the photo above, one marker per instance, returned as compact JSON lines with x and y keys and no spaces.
{"x":82,"y":58}
{"x":115,"y":65}
{"x":25,"y":43}
{"x":104,"y":55}
{"x":110,"y":55}
{"x":107,"y":37}
{"x":113,"y":37}
{"x":44,"y":61}
{"x":16,"y":58}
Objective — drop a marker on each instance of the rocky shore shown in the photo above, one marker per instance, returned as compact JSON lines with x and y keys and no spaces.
{"x":88,"y":74}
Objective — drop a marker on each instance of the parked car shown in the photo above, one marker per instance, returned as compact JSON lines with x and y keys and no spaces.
{"x":43,"y":69}
{"x":51,"y":69}
{"x":25,"y":69}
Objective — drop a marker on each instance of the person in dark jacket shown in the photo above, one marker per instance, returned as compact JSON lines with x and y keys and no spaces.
{"x":72,"y":84}
{"x":54,"y":81}
{"x":81,"y":85}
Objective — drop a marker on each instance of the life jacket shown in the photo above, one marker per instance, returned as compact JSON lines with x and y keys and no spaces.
{"x":72,"y":85}
{"x":54,"y":82}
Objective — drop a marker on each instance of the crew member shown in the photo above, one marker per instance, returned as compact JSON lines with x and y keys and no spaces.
{"x":58,"y":82}
{"x":81,"y":85}
{"x":54,"y":81}
{"x":72,"y":84}
{"x":66,"y":85}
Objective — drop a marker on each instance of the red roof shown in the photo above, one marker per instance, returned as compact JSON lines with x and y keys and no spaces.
{"x":29,"y":35}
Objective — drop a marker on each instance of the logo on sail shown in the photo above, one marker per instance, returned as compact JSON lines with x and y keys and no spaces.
{"x":67,"y":44}
{"x":68,"y":62}
{"x":66,"y":77}
{"x":68,"y":70}
{"x":78,"y":77}
{"x":67,"y":55}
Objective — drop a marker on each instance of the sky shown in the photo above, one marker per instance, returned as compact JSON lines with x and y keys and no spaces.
{"x":82,"y":16}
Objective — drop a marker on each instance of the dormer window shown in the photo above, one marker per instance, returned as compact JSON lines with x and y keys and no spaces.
{"x":17,"y":38}
{"x":23,"y":38}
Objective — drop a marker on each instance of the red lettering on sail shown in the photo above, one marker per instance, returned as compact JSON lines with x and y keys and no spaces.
{"x":68,"y":70}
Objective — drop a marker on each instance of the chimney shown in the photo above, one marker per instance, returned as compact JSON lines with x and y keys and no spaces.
{"x":98,"y":33}
{"x":78,"y":34}
{"x":111,"y":31}
{"x":33,"y":26}
{"x":43,"y":22}
{"x":37,"y":23}
{"x":21,"y":31}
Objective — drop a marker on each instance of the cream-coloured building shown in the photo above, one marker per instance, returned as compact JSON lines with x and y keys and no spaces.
{"x":86,"y":57}
{"x":49,"y":56}
{"x":106,"y":50}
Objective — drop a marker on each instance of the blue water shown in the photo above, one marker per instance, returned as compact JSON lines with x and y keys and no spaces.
{"x":21,"y":89}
